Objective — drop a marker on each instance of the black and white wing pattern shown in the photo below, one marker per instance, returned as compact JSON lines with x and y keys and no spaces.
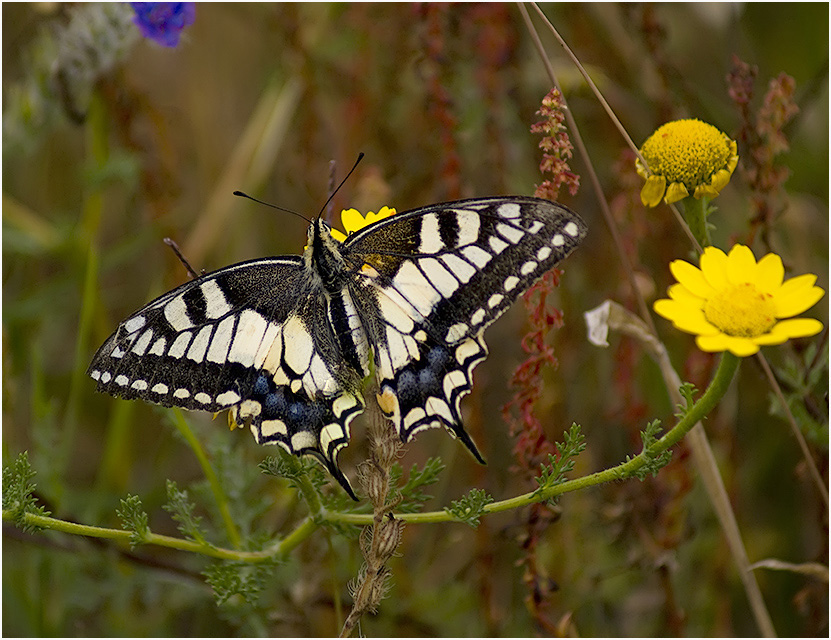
{"x":432,"y":280}
{"x":254,"y":338}
{"x":285,"y":342}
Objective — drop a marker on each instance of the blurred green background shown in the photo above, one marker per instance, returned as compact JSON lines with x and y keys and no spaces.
{"x":111,"y":143}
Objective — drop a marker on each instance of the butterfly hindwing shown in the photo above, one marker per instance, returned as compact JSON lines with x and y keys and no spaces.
{"x":305,"y":393}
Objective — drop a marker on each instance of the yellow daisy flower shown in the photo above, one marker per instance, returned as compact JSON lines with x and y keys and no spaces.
{"x":353,"y":221}
{"x":686,"y":157}
{"x":733,"y":303}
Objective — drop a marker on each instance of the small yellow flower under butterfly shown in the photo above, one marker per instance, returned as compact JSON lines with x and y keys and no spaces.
{"x":686,"y":157}
{"x":353,"y":220}
{"x":733,"y":303}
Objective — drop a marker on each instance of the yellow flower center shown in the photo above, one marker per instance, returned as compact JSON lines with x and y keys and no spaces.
{"x":687,"y":151}
{"x":741,"y":310}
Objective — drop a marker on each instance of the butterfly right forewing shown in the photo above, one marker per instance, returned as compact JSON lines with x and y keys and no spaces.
{"x":438,"y":276}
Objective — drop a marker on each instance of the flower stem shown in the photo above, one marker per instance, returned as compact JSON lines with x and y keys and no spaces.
{"x":695,"y":213}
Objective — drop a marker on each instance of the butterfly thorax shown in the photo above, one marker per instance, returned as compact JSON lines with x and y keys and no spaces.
{"x":322,"y":258}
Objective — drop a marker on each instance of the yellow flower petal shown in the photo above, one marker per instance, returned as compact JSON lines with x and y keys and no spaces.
{"x":733,"y":160}
{"x":797,"y":295}
{"x":741,"y":265}
{"x":714,"y":267}
{"x":717,"y":183}
{"x":795,"y":328}
{"x":680,"y":293}
{"x":705,"y":191}
{"x":798,"y":284}
{"x":741,"y":347}
{"x":676,"y":191}
{"x":769,"y":273}
{"x":720,"y":180}
{"x":653,"y":191}
{"x":338,"y":235}
{"x":667,"y":308}
{"x":683,"y":317}
{"x":692,"y":278}
{"x":774,"y":336}
{"x":351,"y":219}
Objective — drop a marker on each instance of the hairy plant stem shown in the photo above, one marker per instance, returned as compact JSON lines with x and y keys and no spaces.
{"x":381,"y":539}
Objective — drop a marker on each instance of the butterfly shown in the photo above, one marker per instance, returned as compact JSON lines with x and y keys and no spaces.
{"x":286,"y":342}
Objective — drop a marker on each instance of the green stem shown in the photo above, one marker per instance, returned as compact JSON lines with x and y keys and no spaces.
{"x":718,"y":387}
{"x":216,"y":487}
{"x":307,"y":489}
{"x":695,"y":213}
{"x":275,"y":552}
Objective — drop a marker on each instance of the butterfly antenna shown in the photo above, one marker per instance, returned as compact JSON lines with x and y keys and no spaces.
{"x":333,"y":171}
{"x":354,"y":166}
{"x":191,"y":272}
{"x":242,"y":194}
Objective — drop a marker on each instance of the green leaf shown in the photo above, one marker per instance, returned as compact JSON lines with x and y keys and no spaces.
{"x":17,"y":493}
{"x":687,"y":391}
{"x":470,"y":507}
{"x":134,"y":519}
{"x":284,"y":465}
{"x":655,"y":461}
{"x":181,"y":510}
{"x":231,"y":579}
{"x":413,"y":497}
{"x":555,"y":471}
{"x":804,"y":382}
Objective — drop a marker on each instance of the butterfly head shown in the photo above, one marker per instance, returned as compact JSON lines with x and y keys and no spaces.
{"x":322,"y":255}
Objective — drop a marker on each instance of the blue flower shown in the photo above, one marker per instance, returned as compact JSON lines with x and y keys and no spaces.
{"x":163,"y":21}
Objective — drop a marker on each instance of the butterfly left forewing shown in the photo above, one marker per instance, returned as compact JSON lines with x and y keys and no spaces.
{"x":195,"y":346}
{"x":253,"y":338}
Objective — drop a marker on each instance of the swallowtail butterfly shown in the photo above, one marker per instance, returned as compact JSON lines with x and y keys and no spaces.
{"x":285,"y":342}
